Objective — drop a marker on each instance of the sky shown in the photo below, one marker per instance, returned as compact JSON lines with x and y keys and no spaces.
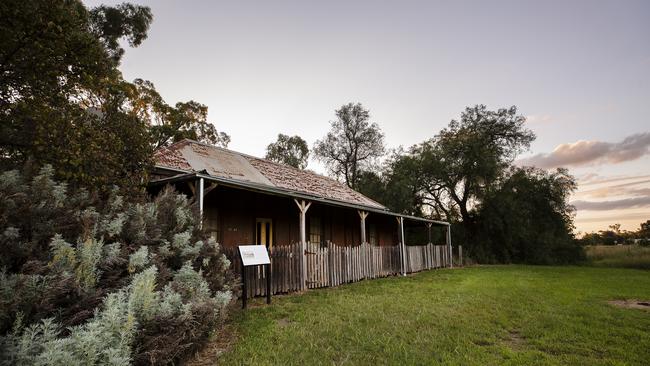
{"x":579,"y":70}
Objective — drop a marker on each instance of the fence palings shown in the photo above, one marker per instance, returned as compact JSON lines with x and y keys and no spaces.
{"x":332,"y":265}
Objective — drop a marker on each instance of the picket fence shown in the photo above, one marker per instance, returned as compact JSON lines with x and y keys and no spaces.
{"x":333,"y":265}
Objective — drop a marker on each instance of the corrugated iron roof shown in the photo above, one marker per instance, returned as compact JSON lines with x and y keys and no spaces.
{"x":192,"y":156}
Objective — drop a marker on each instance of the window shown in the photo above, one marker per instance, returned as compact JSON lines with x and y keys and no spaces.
{"x":372,"y":234}
{"x":314,"y":230}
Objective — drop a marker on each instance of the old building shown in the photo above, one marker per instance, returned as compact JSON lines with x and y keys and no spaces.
{"x":248,"y":200}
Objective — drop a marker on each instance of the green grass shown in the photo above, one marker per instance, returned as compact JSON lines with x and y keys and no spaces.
{"x":517,"y":315}
{"x":627,"y":256}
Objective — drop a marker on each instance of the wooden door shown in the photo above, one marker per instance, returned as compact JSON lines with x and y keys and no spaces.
{"x":264,"y":232}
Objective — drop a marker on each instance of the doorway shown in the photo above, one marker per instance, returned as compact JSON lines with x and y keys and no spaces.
{"x":264,"y":232}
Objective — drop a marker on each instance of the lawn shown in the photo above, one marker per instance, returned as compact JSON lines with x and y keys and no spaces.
{"x":518,"y":315}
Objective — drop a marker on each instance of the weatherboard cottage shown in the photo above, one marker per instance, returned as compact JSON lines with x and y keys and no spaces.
{"x":319,"y":231}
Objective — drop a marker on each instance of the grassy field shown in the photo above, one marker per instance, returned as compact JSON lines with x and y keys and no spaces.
{"x":628,"y":256}
{"x":517,"y":315}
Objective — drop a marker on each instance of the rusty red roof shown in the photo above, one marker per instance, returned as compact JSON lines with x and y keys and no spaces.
{"x":192,"y":156}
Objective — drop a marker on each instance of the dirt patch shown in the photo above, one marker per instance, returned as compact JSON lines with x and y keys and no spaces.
{"x":284,"y":322}
{"x":515,"y":340}
{"x":224,"y":338}
{"x":631,"y":304}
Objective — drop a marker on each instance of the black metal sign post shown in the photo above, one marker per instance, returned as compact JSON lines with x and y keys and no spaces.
{"x":268,"y":284}
{"x":253,"y":256}
{"x":243,"y":280}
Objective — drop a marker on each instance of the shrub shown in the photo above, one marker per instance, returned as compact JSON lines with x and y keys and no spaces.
{"x":103,"y":281}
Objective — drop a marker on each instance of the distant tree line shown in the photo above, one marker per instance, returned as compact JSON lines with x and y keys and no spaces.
{"x":614,"y":235}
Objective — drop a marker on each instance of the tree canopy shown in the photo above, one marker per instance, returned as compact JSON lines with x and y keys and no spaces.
{"x":461,"y":164}
{"x":169,"y":124}
{"x":397,"y":184}
{"x":63,"y":100}
{"x":352,"y":145}
{"x":465,"y":175}
{"x":289,"y":150}
{"x":527,"y":218}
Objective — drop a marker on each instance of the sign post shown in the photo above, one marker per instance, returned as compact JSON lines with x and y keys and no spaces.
{"x":251,"y":256}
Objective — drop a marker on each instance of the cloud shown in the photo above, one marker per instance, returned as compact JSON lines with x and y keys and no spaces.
{"x":595,"y":179}
{"x":592,"y":152}
{"x":625,"y":189}
{"x":535,"y":118}
{"x":635,"y":218}
{"x":637,"y":202}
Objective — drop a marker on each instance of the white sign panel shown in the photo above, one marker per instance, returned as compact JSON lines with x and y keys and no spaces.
{"x":253,"y":255}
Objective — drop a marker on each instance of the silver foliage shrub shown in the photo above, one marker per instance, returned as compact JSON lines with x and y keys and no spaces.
{"x":103,"y":281}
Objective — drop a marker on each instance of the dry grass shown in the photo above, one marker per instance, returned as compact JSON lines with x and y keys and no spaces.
{"x":628,"y":256}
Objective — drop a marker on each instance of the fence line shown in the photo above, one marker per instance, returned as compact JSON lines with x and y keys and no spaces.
{"x":332,"y":265}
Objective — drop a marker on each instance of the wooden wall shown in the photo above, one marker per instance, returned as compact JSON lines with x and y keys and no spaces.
{"x":232,"y":213}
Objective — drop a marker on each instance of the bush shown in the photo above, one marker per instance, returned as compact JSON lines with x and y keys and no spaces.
{"x":526,"y":220}
{"x":103,"y":281}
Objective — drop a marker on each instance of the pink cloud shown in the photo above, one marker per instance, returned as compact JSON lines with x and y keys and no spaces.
{"x":584,"y":152}
{"x":637,"y":202}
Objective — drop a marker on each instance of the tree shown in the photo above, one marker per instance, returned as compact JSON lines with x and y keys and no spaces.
{"x":352,"y":145}
{"x":615,"y":228}
{"x":63,"y":100}
{"x":62,"y":96}
{"x":527,"y":219}
{"x":171,"y":124}
{"x":289,"y":150}
{"x":644,"y":230}
{"x":464,"y":161}
{"x":395,"y":185}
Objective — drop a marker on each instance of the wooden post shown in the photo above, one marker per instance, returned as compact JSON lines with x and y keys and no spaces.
{"x":429,"y":232}
{"x":363,"y":215}
{"x":198,"y":194}
{"x":303,"y":206}
{"x":451,"y":254}
{"x":402,"y":244}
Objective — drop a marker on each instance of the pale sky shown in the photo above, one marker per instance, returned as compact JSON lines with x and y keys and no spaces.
{"x":580,"y":70}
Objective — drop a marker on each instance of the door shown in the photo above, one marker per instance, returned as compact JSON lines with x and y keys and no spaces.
{"x":264,"y":232}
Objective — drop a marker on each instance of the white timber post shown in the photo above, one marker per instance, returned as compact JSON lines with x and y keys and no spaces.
{"x":362,"y":216}
{"x":428,"y":233}
{"x":402,"y":244}
{"x":451,"y":253}
{"x":199,"y":193}
{"x":303,"y":206}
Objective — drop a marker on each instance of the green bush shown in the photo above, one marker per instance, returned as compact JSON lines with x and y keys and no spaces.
{"x":103,"y":281}
{"x":528,"y":219}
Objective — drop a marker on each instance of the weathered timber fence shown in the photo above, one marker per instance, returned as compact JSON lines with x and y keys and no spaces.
{"x":333,"y":265}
